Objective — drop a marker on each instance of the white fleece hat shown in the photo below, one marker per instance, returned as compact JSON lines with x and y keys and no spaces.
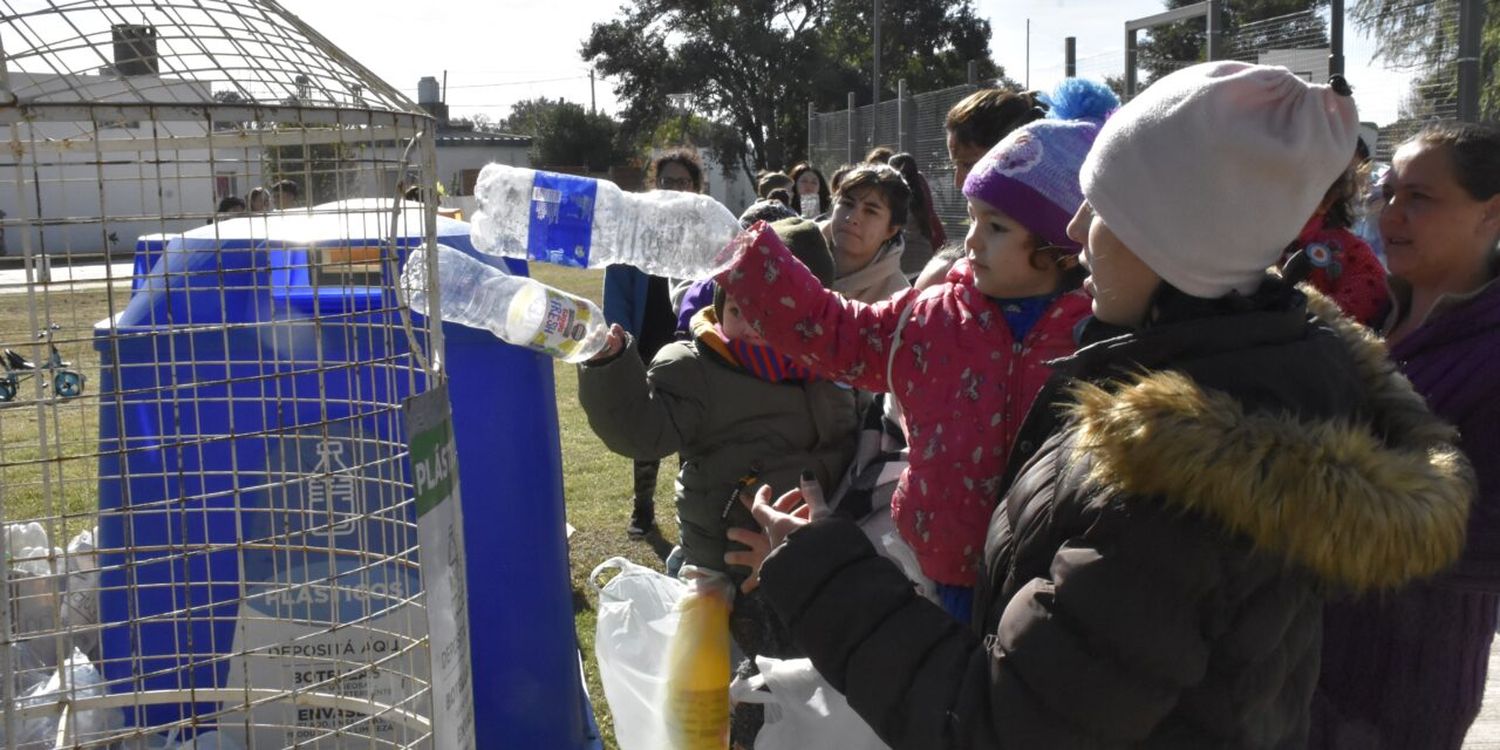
{"x":1212,"y":171}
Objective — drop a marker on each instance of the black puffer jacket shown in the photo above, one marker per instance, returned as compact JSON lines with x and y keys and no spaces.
{"x":1158,"y":568}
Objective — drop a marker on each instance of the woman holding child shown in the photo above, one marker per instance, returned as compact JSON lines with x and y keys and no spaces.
{"x":1221,"y":453}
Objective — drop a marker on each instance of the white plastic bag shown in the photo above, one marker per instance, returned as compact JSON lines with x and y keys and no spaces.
{"x":803,"y":712}
{"x":637,"y":617}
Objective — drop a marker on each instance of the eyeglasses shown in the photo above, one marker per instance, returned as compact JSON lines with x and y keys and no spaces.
{"x":674,"y":183}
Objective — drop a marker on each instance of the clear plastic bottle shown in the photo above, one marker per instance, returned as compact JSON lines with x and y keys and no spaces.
{"x":578,"y":221}
{"x":521,"y":311}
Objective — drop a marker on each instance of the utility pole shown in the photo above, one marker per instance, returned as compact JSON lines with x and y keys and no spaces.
{"x":1070,"y":57}
{"x":1028,"y":53}
{"x":875,"y":87}
{"x":593,"y":110}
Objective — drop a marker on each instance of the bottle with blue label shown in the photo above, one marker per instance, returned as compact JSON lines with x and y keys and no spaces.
{"x":586,"y":223}
{"x":520,"y":311}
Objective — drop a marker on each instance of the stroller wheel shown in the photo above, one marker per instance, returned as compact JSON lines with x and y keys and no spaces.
{"x":68,"y":384}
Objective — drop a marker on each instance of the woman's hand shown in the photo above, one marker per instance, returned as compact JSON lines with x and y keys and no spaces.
{"x":777,"y":520}
{"x":613,"y":343}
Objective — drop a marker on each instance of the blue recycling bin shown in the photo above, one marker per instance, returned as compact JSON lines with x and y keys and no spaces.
{"x":209,"y":431}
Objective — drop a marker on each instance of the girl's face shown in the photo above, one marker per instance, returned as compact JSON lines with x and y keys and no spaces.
{"x":1435,"y":233}
{"x":1119,"y":281}
{"x":861,"y":223}
{"x":736,"y":326}
{"x":1000,"y":252}
{"x":807,"y":183}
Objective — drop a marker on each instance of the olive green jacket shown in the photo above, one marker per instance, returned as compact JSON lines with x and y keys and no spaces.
{"x":725,"y":424}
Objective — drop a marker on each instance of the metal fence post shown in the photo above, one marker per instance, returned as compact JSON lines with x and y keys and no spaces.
{"x":1470,"y":38}
{"x":1070,"y":57}
{"x":812,"y":118}
{"x":973,"y":72}
{"x":853,"y":158}
{"x":1215,"y":30}
{"x":1336,"y":38}
{"x":1130,"y":62}
{"x":903,"y":117}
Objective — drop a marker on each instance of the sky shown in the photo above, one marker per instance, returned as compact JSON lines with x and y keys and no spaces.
{"x":498,"y":52}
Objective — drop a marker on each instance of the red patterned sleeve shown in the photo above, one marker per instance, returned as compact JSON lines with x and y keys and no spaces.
{"x":840,"y":339}
{"x":1361,"y":291}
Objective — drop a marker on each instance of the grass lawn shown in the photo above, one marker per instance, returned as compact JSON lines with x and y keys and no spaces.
{"x":48,"y":461}
{"x":597,"y":485}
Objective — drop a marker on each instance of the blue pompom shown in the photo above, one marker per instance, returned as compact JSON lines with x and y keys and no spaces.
{"x":1081,"y":99}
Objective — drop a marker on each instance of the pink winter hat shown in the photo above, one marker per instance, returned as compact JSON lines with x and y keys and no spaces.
{"x":1208,"y":174}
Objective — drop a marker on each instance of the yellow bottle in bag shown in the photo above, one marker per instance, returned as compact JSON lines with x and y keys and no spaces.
{"x":697,"y":690}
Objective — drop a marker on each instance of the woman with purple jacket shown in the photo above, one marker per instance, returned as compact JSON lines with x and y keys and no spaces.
{"x":1407,"y":670}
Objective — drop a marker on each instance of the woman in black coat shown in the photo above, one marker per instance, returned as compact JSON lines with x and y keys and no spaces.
{"x":1222,"y":453}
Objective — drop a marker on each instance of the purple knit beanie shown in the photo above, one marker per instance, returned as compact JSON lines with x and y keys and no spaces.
{"x":1032,"y":174}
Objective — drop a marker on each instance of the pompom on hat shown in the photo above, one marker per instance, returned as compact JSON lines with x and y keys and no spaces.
{"x":1208,"y":174}
{"x":1032,"y":174}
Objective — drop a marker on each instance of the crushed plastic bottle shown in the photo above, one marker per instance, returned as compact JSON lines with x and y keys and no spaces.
{"x":586,"y":223}
{"x":520,"y":311}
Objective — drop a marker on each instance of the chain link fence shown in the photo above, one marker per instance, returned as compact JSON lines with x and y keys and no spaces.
{"x":913,"y":124}
{"x":1403,"y":57}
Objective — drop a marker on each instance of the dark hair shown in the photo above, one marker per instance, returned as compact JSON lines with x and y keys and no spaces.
{"x":259,"y":193}
{"x":1340,"y":198}
{"x":287,"y":187}
{"x":781,"y":196}
{"x":986,"y":116}
{"x":880,"y":155}
{"x":838,"y":177}
{"x":906,"y":164}
{"x":825,"y":196}
{"x":681,"y":155}
{"x":230,"y":203}
{"x":1046,"y":255}
{"x":1475,"y":151}
{"x":883,"y":178}
{"x":413,"y":193}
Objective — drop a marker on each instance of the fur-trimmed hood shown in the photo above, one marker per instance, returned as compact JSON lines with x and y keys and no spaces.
{"x":1361,"y":506}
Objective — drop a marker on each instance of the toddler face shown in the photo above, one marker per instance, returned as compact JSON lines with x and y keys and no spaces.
{"x":1000,"y":253}
{"x":736,"y":326}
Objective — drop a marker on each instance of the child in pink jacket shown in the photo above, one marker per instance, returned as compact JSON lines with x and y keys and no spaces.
{"x":965,"y":358}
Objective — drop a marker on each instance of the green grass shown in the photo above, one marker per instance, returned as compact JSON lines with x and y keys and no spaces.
{"x":54,"y":478}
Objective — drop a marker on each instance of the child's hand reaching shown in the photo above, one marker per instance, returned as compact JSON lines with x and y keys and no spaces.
{"x":613,"y":343}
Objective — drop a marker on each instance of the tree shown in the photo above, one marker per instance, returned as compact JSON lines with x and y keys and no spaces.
{"x":1425,"y":34}
{"x":565,"y":135}
{"x":1172,"y":47}
{"x":754,"y":65}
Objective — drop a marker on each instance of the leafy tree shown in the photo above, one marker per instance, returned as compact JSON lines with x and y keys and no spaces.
{"x":1426,"y":34}
{"x":754,"y":65}
{"x":1169,"y":48}
{"x":564,"y":134}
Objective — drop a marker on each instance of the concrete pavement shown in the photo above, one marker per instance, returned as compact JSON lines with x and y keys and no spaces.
{"x":70,"y":278}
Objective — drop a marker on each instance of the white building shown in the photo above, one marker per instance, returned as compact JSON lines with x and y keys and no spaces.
{"x":86,"y":187}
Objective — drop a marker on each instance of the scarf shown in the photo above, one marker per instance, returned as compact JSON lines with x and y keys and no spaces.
{"x":760,"y":360}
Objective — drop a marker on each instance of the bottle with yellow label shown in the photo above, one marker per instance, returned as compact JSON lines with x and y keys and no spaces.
{"x":697,"y":690}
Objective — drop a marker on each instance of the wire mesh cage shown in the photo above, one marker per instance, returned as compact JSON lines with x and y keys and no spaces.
{"x":210,"y":532}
